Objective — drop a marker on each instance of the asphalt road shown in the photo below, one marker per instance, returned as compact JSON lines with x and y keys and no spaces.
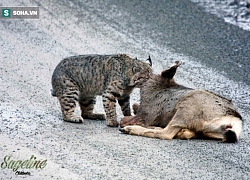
{"x":215,"y":55}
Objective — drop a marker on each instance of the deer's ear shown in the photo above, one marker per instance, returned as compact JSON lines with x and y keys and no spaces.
{"x":171,"y":70}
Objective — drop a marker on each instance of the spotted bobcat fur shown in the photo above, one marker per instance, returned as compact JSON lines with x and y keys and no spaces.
{"x":81,"y":78}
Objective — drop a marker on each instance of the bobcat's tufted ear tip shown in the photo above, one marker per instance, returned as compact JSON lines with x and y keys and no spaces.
{"x":177,"y":63}
{"x":149,"y":60}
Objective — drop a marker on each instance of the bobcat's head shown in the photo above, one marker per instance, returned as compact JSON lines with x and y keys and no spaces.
{"x":141,"y":73}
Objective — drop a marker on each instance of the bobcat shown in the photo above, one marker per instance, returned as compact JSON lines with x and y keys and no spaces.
{"x":183,"y":112}
{"x":81,"y":78}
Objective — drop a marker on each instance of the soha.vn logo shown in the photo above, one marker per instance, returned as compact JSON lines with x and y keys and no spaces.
{"x":6,"y":13}
{"x":16,"y":165}
{"x":19,"y":12}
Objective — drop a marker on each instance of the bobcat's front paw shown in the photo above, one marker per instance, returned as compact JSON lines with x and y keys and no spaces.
{"x":135,"y":108}
{"x":74,"y":119}
{"x":94,"y":116}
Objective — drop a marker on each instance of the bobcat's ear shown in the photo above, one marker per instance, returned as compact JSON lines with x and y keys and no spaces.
{"x":171,"y":70}
{"x":149,"y":60}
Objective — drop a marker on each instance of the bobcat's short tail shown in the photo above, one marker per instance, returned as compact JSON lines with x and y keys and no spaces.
{"x":53,"y":93}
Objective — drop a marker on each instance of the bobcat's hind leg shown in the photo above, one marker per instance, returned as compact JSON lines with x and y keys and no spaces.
{"x":87,"y":107}
{"x":68,"y":104}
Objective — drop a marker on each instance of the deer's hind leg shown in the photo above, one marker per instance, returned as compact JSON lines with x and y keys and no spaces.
{"x":175,"y":128}
{"x":185,"y":134}
{"x":178,"y":127}
{"x":167,"y":133}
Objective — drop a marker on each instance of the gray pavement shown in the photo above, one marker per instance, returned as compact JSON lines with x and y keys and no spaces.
{"x":215,"y":55}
